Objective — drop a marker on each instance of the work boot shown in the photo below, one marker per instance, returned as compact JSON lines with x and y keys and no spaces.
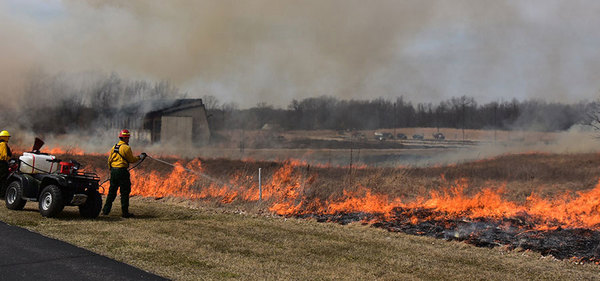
{"x":128,"y":215}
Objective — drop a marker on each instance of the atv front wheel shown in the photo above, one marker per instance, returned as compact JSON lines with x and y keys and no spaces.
{"x":92,"y":206}
{"x":51,"y":201}
{"x":14,"y":196}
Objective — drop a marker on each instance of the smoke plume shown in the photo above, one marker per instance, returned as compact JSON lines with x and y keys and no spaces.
{"x":274,"y":51}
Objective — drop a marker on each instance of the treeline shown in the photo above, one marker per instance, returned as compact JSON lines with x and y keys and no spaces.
{"x":61,"y":103}
{"x":458,"y":112}
{"x":65,"y":103}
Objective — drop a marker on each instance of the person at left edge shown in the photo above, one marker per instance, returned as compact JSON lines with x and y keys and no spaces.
{"x":5,"y":155}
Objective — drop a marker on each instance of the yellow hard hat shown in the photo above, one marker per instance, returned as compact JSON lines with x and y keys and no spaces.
{"x":4,"y":134}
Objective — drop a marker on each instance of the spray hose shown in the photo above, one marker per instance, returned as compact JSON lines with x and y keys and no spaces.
{"x":175,"y":165}
{"x":191,"y":171}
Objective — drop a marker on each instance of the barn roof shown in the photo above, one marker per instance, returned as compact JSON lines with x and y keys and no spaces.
{"x":174,"y":106}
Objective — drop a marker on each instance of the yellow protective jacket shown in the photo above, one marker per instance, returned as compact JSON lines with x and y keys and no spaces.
{"x":5,"y":153}
{"x":123,"y":157}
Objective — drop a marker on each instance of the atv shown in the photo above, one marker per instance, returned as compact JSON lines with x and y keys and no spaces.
{"x":53,"y":183}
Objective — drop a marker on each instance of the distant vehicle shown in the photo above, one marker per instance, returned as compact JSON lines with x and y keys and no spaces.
{"x":389,"y":136}
{"x":379,"y":136}
{"x":359,"y":135}
{"x":401,"y":136}
{"x":418,"y":137}
{"x":439,"y":136}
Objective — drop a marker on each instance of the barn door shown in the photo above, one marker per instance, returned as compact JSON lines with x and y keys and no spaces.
{"x":176,"y":130}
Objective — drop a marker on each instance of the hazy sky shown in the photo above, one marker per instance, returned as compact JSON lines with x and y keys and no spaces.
{"x":278,"y":50}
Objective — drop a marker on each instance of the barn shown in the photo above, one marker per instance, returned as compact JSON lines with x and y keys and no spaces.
{"x":181,"y":122}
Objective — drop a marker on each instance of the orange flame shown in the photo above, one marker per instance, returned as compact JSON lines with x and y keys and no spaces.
{"x":62,"y":151}
{"x":286,"y":192}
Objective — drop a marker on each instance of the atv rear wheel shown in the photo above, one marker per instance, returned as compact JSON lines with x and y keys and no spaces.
{"x":14,"y":196}
{"x":92,"y":206}
{"x":51,"y":201}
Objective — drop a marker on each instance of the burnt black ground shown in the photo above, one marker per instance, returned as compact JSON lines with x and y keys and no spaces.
{"x":517,"y":233}
{"x":26,"y":255}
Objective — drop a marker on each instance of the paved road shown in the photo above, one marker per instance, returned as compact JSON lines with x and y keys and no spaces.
{"x":25,"y":255}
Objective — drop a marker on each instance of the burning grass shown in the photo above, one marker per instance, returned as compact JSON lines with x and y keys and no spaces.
{"x":495,"y":202}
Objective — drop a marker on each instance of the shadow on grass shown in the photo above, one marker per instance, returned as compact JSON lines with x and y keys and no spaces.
{"x":143,"y":216}
{"x":70,"y":213}
{"x":73,"y":215}
{"x":31,"y":210}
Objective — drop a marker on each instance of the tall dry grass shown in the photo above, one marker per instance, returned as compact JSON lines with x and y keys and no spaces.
{"x":520,"y":175}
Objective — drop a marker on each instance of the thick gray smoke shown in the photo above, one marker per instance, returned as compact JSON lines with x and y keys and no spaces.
{"x":57,"y":53}
{"x":274,"y":51}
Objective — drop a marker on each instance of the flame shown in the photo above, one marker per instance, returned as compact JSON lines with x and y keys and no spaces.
{"x":287,"y":191}
{"x":56,"y":150}
{"x":63,"y":151}
{"x":290,"y":190}
{"x":177,"y":183}
{"x":286,"y":194}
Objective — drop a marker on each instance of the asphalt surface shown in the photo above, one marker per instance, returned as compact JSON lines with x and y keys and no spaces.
{"x":26,"y":255}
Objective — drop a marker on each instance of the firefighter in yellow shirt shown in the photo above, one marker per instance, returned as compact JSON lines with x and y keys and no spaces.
{"x":5,"y":155}
{"x":118,"y":161}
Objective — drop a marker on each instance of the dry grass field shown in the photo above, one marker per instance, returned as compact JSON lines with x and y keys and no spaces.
{"x":340,"y":148}
{"x":450,"y":133}
{"x":519,"y":174}
{"x":237,"y":238}
{"x":181,"y":240}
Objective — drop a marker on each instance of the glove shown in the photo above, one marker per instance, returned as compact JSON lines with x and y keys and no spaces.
{"x":143,"y":155}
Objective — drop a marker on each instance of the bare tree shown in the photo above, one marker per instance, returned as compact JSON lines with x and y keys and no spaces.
{"x":593,"y":115}
{"x":210,"y":102}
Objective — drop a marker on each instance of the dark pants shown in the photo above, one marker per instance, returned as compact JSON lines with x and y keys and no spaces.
{"x":119,"y":177}
{"x":3,"y":177}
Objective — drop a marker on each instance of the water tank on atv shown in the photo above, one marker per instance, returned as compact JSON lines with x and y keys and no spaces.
{"x":32,"y":163}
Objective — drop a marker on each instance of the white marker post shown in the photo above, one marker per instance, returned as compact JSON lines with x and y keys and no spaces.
{"x":259,"y":187}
